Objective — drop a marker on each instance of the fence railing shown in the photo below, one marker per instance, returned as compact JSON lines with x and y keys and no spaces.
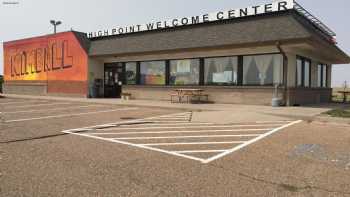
{"x":321,"y":26}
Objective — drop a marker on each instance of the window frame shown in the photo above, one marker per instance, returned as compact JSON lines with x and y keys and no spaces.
{"x":303,"y":60}
{"x":324,"y":70}
{"x":165,"y":73}
{"x":266,"y":85}
{"x":199,"y":72}
{"x":201,"y":59}
{"x":222,"y":84}
{"x":136,"y":77}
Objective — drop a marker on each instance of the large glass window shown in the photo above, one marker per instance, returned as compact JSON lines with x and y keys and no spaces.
{"x":307,"y":74}
{"x":152,"y":73}
{"x":322,"y":75}
{"x":220,"y":71}
{"x":303,"y":72}
{"x":319,"y":75}
{"x":184,"y":72}
{"x":263,"y":70}
{"x":299,"y":72}
{"x":130,"y":73}
{"x":324,"y":78}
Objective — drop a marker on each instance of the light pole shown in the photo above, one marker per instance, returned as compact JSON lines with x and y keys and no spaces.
{"x":55,"y":23}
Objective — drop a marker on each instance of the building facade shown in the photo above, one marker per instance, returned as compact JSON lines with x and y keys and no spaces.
{"x":237,"y":56}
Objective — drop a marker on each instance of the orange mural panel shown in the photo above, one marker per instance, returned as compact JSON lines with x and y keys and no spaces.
{"x":58,"y":57}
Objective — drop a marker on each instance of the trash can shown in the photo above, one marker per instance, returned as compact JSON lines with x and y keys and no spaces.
{"x":276,"y":102}
{"x":94,"y":89}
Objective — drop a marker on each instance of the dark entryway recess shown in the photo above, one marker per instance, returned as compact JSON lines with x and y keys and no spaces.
{"x":113,"y":80}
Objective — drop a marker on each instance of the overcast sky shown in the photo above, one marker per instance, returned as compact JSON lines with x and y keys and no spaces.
{"x":31,"y":17}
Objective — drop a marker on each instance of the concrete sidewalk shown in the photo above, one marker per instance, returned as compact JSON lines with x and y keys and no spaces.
{"x":216,"y":113}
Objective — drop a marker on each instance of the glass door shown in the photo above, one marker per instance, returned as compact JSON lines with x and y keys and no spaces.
{"x":113,"y":80}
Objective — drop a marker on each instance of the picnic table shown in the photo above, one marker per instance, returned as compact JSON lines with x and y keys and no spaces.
{"x":345,"y":94}
{"x":189,"y":94}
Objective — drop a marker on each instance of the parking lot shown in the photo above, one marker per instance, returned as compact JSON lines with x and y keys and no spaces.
{"x":66,"y":148}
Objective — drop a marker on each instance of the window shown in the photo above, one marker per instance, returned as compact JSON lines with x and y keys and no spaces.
{"x":263,"y":70}
{"x":307,"y":74}
{"x":152,"y":73}
{"x":322,"y":75}
{"x":319,"y":75}
{"x":303,"y":72}
{"x":184,"y":72}
{"x":130,"y":73}
{"x":324,"y":78}
{"x":220,"y":71}
{"x":299,"y":72}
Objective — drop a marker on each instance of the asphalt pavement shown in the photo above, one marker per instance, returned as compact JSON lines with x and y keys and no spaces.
{"x":70,"y":148}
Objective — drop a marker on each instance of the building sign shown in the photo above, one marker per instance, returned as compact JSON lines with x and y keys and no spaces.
{"x":276,"y":6}
{"x":52,"y":57}
{"x":58,"y":57}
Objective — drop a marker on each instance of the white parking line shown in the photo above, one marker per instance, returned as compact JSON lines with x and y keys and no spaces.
{"x":189,"y":136}
{"x":275,"y":121}
{"x":69,"y":115}
{"x":52,"y":109}
{"x":182,"y":127}
{"x":136,"y":145}
{"x":192,"y":143}
{"x":200,"y":151}
{"x":168,"y":124}
{"x":192,"y":131}
{"x":250,"y":142}
{"x":36,"y":105}
{"x":19,"y":102}
{"x":142,"y":143}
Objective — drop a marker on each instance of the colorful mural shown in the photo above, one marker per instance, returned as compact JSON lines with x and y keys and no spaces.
{"x":54,"y":57}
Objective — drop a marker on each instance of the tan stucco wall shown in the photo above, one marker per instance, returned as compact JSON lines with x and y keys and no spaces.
{"x":291,"y":69}
{"x":314,"y":74}
{"x":329,"y":75}
{"x":315,"y":58}
{"x":233,"y":95}
{"x":194,"y":54}
{"x":96,"y":71}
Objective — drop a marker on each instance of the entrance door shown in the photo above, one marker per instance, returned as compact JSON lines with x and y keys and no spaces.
{"x":113,"y":80}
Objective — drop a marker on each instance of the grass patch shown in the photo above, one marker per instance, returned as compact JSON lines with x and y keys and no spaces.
{"x":343,"y":113}
{"x":338,"y":97}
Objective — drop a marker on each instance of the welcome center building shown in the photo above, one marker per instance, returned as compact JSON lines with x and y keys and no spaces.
{"x":236,"y":56}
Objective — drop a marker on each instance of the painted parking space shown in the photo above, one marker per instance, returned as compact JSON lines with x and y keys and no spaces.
{"x":14,"y":103}
{"x":177,"y":135}
{"x":15,"y":110}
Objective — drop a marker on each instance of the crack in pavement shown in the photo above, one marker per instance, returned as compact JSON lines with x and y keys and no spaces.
{"x":33,"y":138}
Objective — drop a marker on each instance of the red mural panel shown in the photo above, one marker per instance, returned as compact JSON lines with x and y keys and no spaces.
{"x":53,"y":59}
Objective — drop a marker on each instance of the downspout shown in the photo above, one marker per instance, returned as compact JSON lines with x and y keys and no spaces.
{"x":285,"y":71}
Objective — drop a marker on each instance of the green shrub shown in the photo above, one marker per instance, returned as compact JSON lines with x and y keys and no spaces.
{"x":344,"y":113}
